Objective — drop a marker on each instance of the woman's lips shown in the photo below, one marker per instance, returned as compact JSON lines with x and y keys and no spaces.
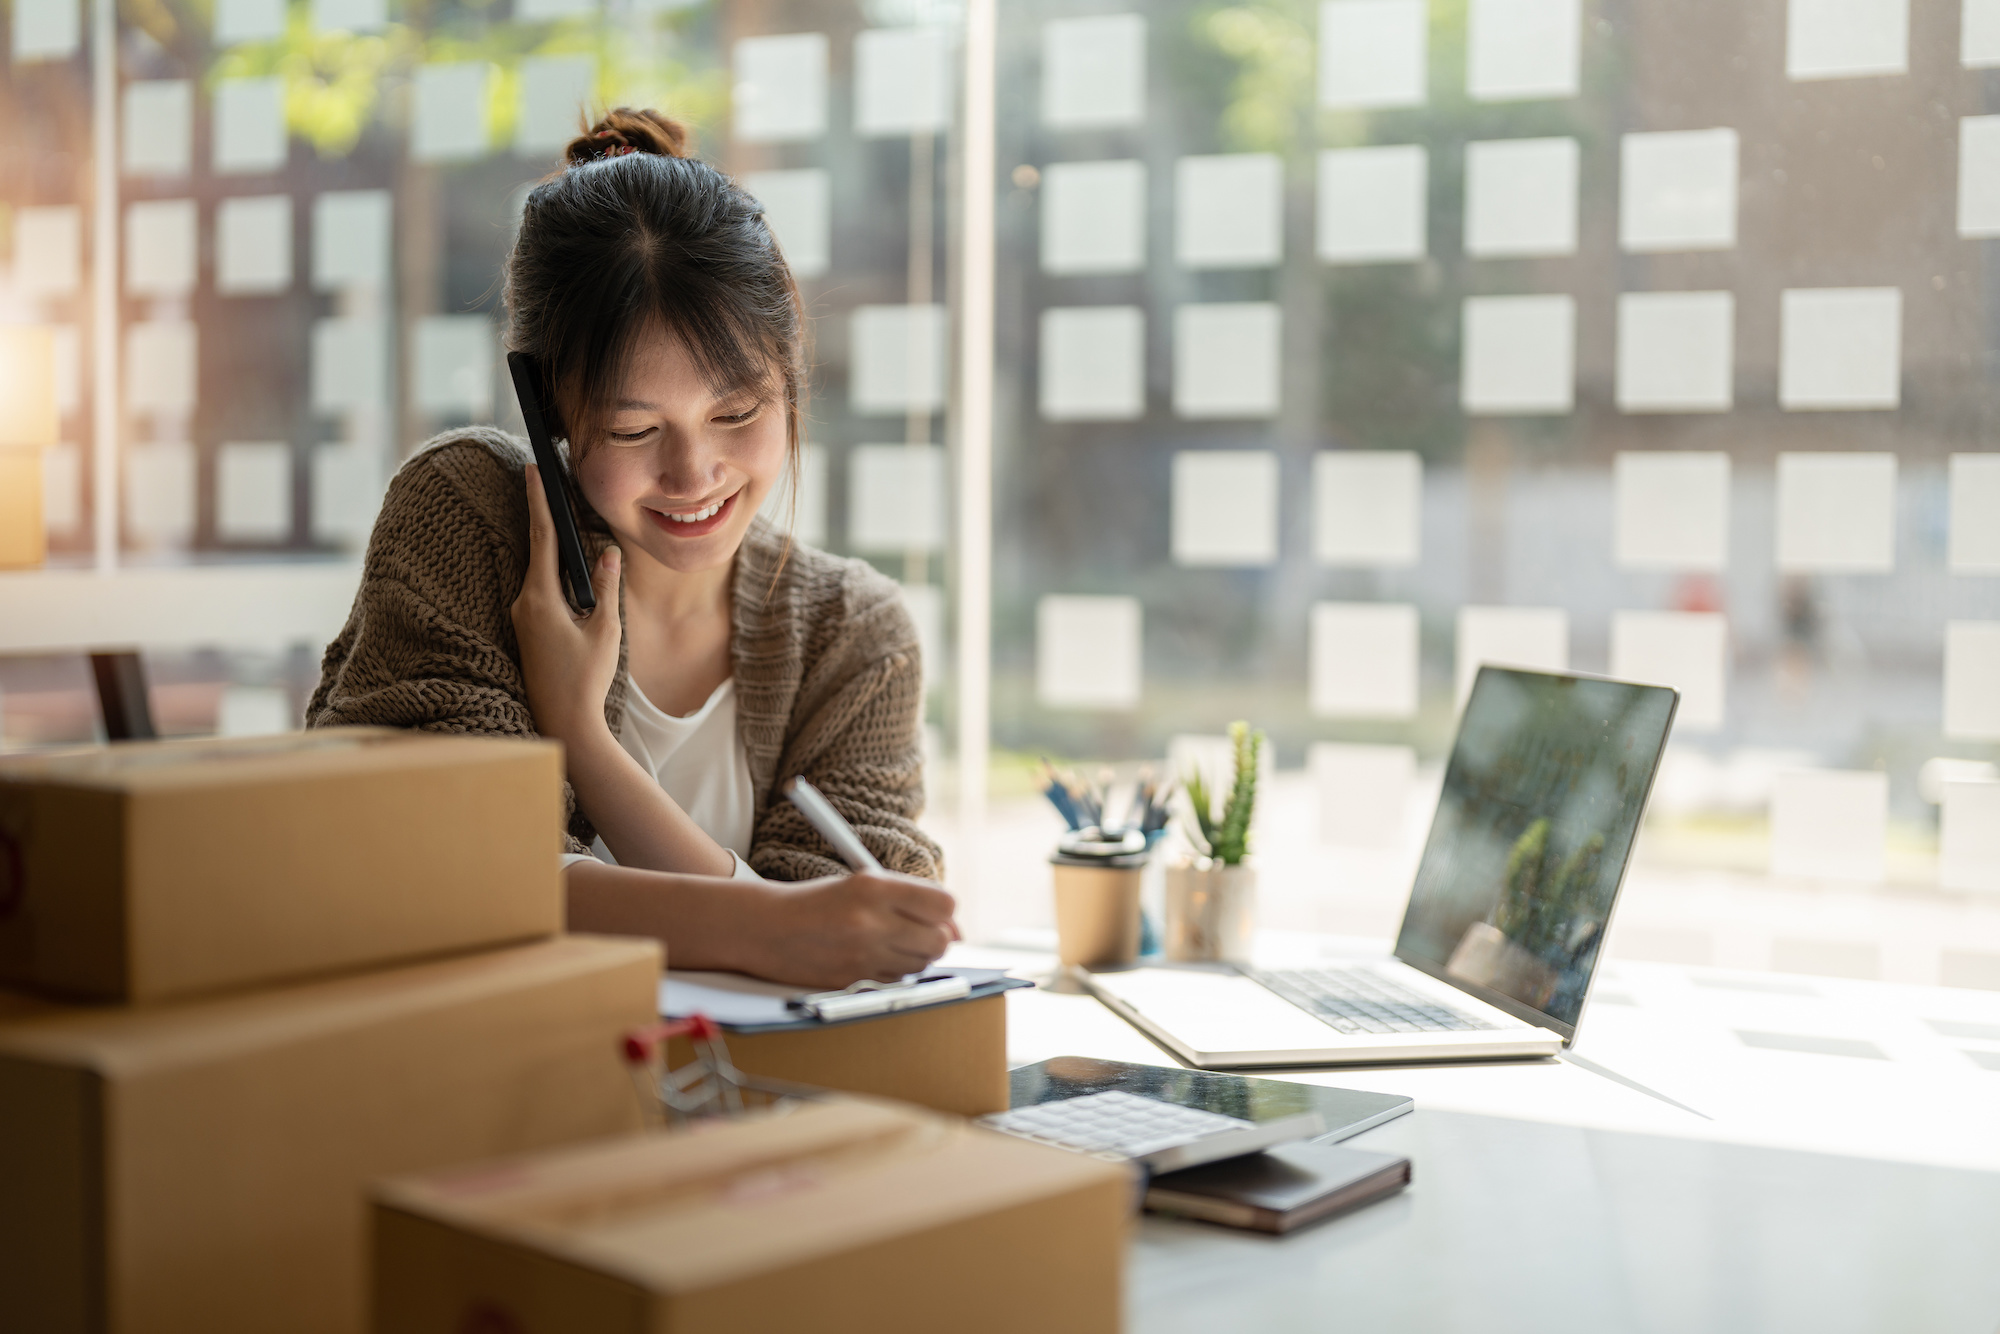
{"x":699,"y":527}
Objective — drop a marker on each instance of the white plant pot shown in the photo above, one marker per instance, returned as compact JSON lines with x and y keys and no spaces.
{"x":1211,"y":911}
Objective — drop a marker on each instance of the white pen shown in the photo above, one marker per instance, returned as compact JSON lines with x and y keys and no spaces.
{"x":821,"y":815}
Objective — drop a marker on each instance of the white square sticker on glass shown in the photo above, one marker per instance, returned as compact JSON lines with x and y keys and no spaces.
{"x":1518,"y":355}
{"x":1676,"y":351}
{"x":1836,"y":513}
{"x":253,"y":491}
{"x":1373,"y":53}
{"x":1979,"y":34}
{"x":1225,"y":508}
{"x":896,"y":359}
{"x":805,"y":519}
{"x":1372,"y":204}
{"x":1087,"y":652}
{"x":1972,"y":680}
{"x":350,"y":365}
{"x":1367,"y":507}
{"x":1094,"y":72}
{"x":1840,"y":348}
{"x":1093,"y":363}
{"x":254,"y":711}
{"x":1969,"y":836}
{"x":1520,"y":197}
{"x":557,"y":92}
{"x":780,"y":91}
{"x":546,"y":11}
{"x":1093,"y":217}
{"x":350,"y":240}
{"x":1523,"y":49}
{"x":160,"y":366}
{"x":347,"y":484}
{"x":253,"y":245}
{"x":69,"y":368}
{"x":902,"y":81}
{"x":350,"y":15}
{"x":1536,"y":638}
{"x":1363,"y":791}
{"x":798,"y":207}
{"x":157,"y":130}
{"x":1229,"y":211}
{"x":1838,"y":39}
{"x":1979,"y":176}
{"x":1226,"y":360}
{"x":46,"y":30}
{"x":1829,"y":824}
{"x":1671,"y":510}
{"x":454,"y":364}
{"x":448,"y":112}
{"x":48,"y":250}
{"x":1363,"y":660}
{"x":62,"y":488}
{"x":249,"y":125}
{"x":1975,"y":514}
{"x":248,"y":21}
{"x":160,"y":248}
{"x":1677,"y":190}
{"x":159,"y":492}
{"x":1687,"y":650}
{"x":896,"y":498}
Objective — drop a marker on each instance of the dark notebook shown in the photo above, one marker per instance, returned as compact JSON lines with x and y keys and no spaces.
{"x":1280,"y":1189}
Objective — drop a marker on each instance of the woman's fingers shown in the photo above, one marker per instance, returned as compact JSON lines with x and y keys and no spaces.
{"x":605,"y":580}
{"x":541,"y":539}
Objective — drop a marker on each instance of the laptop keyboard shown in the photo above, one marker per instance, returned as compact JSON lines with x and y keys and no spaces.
{"x":1357,"y":1000}
{"x":1113,"y":1125}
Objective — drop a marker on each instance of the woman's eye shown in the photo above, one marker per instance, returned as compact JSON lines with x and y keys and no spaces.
{"x":738,"y":418}
{"x":630,"y":437}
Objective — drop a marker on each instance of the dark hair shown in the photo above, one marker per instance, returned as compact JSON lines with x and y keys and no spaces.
{"x":635,"y":233}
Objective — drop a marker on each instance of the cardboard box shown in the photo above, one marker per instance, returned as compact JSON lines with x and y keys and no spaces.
{"x":839,"y":1216}
{"x":949,"y":1058}
{"x":203,"y":1166}
{"x":24,"y":538}
{"x":150,"y":870}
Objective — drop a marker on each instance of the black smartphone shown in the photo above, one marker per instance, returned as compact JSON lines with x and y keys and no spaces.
{"x":528,"y":387}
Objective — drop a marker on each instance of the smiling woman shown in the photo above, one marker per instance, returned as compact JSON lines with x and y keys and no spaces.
{"x":723,"y":657}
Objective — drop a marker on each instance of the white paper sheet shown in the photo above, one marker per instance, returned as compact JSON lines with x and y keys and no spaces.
{"x":780,"y":94}
{"x":555,"y":93}
{"x":448,"y":112}
{"x":1363,"y":660}
{"x":249,"y":125}
{"x":253,"y":491}
{"x":453,"y":365}
{"x":1979,"y":34}
{"x":902,"y":81}
{"x":1829,"y":824}
{"x":1686,"y":650}
{"x":350,"y":15}
{"x":798,"y":206}
{"x":1519,"y":355}
{"x":1837,"y":39}
{"x":248,"y":21}
{"x":1676,"y":351}
{"x":46,"y":30}
{"x":1536,"y":638}
{"x":1367,"y":507}
{"x":161,"y":246}
{"x":1836,"y":512}
{"x":1520,"y":197}
{"x":1969,"y":836}
{"x":157,"y":129}
{"x":1841,"y":348}
{"x":1093,"y":363}
{"x":1677,"y":190}
{"x":1373,"y":53}
{"x":896,"y":498}
{"x":1372,"y":204}
{"x":1979,"y":176}
{"x":1094,"y":72}
{"x":62,"y":489}
{"x":350,"y":365}
{"x":347,"y":482}
{"x":807,"y":521}
{"x":160,"y":366}
{"x":1363,"y":791}
{"x":1975,"y":513}
{"x":1671,"y":510}
{"x":253,"y":245}
{"x":925,"y":603}
{"x":350,"y":239}
{"x":1229,"y":211}
{"x":543,"y":11}
{"x":48,"y":250}
{"x":1972,"y":680}
{"x":896,"y":359}
{"x":1226,"y":360}
{"x":1093,"y":217}
{"x":1087,"y":652}
{"x":1225,"y":508}
{"x":159,"y":492}
{"x":1523,"y":49}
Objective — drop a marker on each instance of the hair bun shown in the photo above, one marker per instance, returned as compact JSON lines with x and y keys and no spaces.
{"x":626,"y":130}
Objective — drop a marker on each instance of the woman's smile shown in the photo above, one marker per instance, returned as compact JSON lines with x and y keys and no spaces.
{"x":694,"y":522}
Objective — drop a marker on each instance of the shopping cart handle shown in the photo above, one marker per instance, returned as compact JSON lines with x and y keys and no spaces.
{"x":641,"y":1043}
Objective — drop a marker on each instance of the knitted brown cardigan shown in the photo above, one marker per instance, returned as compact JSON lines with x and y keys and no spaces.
{"x":828,"y":679}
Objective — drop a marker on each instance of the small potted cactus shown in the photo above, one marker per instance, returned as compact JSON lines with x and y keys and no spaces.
{"x":1212,"y":896}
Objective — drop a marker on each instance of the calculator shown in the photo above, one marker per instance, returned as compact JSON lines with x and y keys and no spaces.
{"x":1158,"y":1136}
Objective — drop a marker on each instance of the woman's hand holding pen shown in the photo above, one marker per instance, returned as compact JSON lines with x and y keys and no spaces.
{"x":569,"y":661}
{"x":837,"y":930}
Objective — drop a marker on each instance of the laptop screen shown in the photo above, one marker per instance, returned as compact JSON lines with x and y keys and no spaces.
{"x":1541,"y":800}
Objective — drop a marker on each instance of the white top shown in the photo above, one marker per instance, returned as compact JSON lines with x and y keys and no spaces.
{"x":699,"y":761}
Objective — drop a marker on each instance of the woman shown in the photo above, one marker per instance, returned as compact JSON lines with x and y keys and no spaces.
{"x":722,"y":658}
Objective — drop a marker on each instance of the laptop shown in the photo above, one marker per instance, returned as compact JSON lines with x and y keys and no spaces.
{"x":1542,"y":796}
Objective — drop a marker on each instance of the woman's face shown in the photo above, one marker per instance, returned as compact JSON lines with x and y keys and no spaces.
{"x":680,"y":472}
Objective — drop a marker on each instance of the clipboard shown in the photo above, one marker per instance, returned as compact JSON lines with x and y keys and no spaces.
{"x":740,"y":1004}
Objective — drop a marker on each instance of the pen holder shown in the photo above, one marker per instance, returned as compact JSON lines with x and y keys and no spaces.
{"x":1097,"y":909}
{"x":1211,"y":908}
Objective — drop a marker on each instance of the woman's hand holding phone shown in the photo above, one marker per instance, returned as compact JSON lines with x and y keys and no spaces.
{"x":568,"y":661}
